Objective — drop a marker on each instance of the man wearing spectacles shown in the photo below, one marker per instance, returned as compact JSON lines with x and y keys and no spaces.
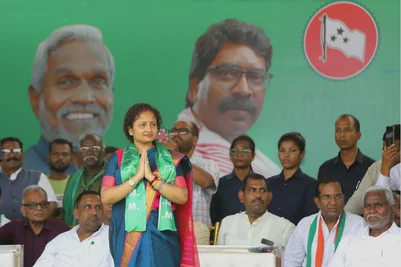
{"x":36,"y":230}
{"x":89,"y":177}
{"x":14,"y":179}
{"x":183,"y":138}
{"x":317,"y":236}
{"x":229,"y":76}
{"x":87,"y":244}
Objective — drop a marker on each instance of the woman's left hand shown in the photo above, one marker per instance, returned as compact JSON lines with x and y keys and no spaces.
{"x":148,"y":172}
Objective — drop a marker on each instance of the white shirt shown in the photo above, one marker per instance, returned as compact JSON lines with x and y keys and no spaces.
{"x":66,"y":250}
{"x":358,"y":249}
{"x":43,"y":182}
{"x":212,"y":146}
{"x":202,"y":198}
{"x":393,"y":182}
{"x":3,"y":220}
{"x":295,"y":252}
{"x":236,"y":230}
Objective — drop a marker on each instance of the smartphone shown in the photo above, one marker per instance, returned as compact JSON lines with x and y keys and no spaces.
{"x":161,"y":135}
{"x":390,"y":135}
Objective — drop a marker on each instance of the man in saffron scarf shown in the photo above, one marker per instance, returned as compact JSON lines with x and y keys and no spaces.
{"x":317,"y":236}
{"x":150,"y":188}
{"x":88,"y":177}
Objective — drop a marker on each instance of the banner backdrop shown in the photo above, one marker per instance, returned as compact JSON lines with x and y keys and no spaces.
{"x":328,"y":58}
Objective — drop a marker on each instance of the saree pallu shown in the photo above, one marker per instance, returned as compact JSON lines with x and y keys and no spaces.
{"x":153,"y":248}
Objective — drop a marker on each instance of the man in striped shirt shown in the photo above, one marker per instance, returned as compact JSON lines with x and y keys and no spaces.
{"x":228,"y":80}
{"x":183,"y":138}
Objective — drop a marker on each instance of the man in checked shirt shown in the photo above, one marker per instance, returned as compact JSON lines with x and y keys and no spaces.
{"x":183,"y":138}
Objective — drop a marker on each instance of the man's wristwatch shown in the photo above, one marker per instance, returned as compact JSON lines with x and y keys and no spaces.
{"x":131,"y":182}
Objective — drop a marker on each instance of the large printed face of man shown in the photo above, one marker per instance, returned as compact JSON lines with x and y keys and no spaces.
{"x":227,"y":101}
{"x":77,"y":94}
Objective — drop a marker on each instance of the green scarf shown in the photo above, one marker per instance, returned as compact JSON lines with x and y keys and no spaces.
{"x":75,"y":184}
{"x":135,"y":204}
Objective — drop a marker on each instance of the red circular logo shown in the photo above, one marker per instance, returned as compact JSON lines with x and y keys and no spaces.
{"x":341,"y":40}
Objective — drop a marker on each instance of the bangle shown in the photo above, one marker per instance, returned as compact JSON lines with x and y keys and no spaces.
{"x":160,"y":186}
{"x":152,"y":183}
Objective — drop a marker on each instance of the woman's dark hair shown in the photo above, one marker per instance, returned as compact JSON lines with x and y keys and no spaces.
{"x":134,"y":112}
{"x":244,"y":138}
{"x":296,"y":137}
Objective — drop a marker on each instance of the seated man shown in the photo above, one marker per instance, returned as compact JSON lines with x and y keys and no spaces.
{"x":14,"y":179}
{"x":381,"y":168}
{"x":317,"y":236}
{"x":87,"y":244}
{"x":256,"y":223}
{"x":379,"y":243}
{"x":35,"y":231}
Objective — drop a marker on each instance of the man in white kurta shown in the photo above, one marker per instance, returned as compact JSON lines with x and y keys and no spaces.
{"x":85,"y":245}
{"x":250,"y":227}
{"x":379,"y":244}
{"x":236,"y":230}
{"x":331,"y":202}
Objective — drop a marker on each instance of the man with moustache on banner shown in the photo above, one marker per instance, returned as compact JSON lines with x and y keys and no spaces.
{"x":89,"y":177}
{"x":227,"y":83}
{"x":71,"y":91}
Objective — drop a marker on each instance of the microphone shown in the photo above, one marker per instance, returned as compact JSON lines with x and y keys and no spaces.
{"x":267,"y":242}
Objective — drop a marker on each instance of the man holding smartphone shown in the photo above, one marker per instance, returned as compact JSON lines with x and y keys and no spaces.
{"x":390,"y":158}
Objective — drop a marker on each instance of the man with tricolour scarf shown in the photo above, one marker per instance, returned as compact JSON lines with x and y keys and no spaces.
{"x":317,"y":236}
{"x":89,"y":177}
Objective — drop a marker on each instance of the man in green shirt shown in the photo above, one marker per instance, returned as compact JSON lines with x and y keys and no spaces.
{"x":60,"y":159}
{"x":89,"y":177}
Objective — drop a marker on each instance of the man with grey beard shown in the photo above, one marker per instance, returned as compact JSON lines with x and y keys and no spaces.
{"x":89,"y":177}
{"x":71,"y":92}
{"x":379,"y":244}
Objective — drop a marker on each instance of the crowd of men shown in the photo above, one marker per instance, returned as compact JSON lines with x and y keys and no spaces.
{"x":38,"y":210}
{"x":50,"y":201}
